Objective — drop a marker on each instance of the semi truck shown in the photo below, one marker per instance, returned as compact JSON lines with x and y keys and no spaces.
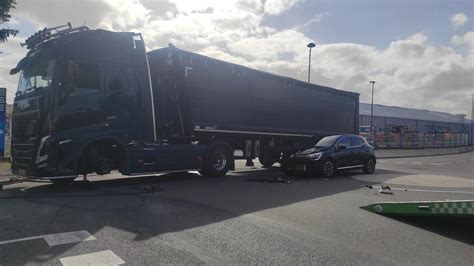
{"x":95,"y":101}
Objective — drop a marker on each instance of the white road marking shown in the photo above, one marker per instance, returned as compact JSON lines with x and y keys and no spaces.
{"x":416,"y":163}
{"x":106,"y":257}
{"x":57,"y":239}
{"x":460,"y":161}
{"x":440,"y":163}
{"x":67,"y":238}
{"x":382,"y":161}
{"x":400,"y":162}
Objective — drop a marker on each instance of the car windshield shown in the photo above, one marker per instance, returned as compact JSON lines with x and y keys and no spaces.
{"x":36,"y":73}
{"x":327,"y":141}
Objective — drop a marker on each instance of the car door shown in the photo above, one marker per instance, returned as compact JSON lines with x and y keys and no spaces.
{"x":342,"y":153}
{"x":357,"y":150}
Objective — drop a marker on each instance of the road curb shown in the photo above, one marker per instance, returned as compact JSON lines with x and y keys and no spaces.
{"x":423,"y":155}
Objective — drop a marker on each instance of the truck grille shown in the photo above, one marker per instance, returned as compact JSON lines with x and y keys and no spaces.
{"x":22,"y":154}
{"x":23,"y":125}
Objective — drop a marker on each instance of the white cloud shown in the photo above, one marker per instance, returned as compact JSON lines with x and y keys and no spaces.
{"x":409,"y":72}
{"x":459,"y":20}
{"x":466,"y":40}
{"x":11,"y":53}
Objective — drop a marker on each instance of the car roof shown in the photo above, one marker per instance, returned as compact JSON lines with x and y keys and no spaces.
{"x":350,"y":135}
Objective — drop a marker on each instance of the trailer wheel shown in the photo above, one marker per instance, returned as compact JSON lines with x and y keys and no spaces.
{"x":266,"y":159}
{"x":217,"y":161}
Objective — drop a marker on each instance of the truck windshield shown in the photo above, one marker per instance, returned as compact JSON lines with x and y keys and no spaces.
{"x":327,"y":141}
{"x":36,"y":73}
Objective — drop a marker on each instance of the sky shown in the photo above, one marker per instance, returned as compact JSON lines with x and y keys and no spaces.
{"x":420,"y":53}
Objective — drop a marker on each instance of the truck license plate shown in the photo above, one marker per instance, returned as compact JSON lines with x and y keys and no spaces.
{"x":22,"y":172}
{"x":301,"y":167}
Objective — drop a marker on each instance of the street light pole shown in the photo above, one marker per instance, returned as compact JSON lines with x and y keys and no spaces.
{"x":310,"y":46}
{"x":472,"y":119}
{"x":372,"y":109}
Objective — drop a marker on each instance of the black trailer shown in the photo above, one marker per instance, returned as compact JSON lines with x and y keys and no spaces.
{"x":94,"y":100}
{"x":262,"y":114}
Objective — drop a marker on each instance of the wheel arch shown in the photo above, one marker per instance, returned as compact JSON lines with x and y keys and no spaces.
{"x":103,"y":139}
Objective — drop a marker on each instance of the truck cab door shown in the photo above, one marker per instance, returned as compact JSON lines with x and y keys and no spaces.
{"x":78,"y":101}
{"x":119,"y":99}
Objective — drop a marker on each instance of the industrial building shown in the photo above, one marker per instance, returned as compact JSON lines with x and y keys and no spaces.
{"x":394,"y":119}
{"x":413,"y":128}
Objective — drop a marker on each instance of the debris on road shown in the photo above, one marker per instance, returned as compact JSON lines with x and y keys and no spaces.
{"x":386,"y":190}
{"x":368,"y":186}
{"x":458,"y":208}
{"x":269,"y":180}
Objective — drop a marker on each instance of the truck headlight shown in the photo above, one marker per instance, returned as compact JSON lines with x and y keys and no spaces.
{"x":42,"y":154}
{"x":315,"y":156}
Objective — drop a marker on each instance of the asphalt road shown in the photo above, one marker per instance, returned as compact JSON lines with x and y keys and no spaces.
{"x":240,"y":219}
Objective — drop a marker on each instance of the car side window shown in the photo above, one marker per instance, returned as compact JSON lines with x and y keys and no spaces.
{"x":357,"y":141}
{"x":345,"y":141}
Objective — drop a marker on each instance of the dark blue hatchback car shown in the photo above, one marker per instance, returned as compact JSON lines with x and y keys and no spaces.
{"x":333,"y":153}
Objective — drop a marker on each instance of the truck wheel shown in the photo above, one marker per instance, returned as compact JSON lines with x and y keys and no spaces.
{"x":217,"y":162}
{"x":104,"y":166}
{"x":266,"y":159}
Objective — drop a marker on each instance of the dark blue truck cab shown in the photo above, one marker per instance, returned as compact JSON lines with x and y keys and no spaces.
{"x":94,"y":101}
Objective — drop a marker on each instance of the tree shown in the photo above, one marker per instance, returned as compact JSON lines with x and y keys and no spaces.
{"x":5,"y":6}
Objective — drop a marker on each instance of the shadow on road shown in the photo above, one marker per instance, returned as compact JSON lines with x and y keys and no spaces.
{"x":457,"y":228}
{"x":148,"y":206}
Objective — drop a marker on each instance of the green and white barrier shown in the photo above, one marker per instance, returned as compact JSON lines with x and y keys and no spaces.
{"x":458,"y":208}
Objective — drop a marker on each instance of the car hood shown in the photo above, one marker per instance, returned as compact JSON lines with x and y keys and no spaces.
{"x":311,"y":151}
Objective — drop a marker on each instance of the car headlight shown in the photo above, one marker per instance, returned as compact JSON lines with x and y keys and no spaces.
{"x":315,"y":156}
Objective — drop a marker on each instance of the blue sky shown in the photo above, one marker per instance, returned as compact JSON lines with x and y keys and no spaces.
{"x":375,"y":23}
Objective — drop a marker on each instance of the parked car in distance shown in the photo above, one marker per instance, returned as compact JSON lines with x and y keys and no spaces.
{"x":333,"y":153}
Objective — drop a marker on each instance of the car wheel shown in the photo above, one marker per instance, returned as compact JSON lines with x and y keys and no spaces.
{"x":369,"y":166}
{"x":328,"y":168}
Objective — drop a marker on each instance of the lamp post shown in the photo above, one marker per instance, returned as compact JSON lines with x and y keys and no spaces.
{"x":472,"y":120}
{"x":310,"y":46}
{"x":372,"y":109}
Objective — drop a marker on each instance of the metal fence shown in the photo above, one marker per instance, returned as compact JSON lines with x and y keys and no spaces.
{"x":416,"y":140}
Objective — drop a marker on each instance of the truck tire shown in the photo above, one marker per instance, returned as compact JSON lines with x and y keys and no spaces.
{"x":266,"y":159}
{"x":217,"y":162}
